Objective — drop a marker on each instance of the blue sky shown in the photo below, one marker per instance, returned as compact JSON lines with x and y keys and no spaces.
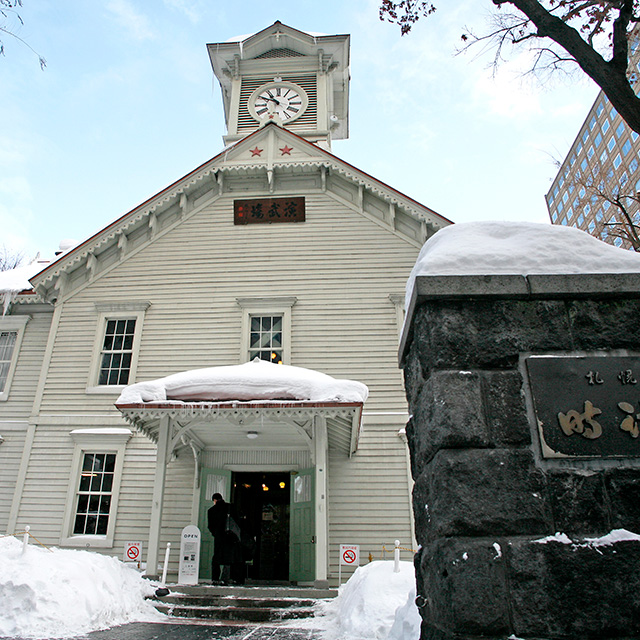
{"x":128,"y":104}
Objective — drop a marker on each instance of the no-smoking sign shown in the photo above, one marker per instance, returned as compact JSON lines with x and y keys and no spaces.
{"x":132,"y":551}
{"x":350,"y":555}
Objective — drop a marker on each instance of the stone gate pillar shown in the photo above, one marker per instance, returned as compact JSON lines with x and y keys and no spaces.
{"x":524,"y":395}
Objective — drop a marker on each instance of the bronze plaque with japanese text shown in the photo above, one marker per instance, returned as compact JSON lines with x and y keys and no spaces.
{"x":586,"y":406}
{"x":265,"y":210}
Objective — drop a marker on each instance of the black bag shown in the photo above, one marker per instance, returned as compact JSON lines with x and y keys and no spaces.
{"x":231,"y":526}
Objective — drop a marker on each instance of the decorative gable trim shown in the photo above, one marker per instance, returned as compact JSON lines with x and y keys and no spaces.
{"x":127,"y":235}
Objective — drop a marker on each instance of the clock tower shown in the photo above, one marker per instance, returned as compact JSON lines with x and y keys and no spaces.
{"x":298,"y":80}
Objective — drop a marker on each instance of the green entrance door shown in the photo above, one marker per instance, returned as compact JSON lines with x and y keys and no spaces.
{"x":212,"y":481}
{"x":302,"y":563}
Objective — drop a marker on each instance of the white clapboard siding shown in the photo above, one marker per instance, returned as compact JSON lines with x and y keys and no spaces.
{"x":15,"y":411}
{"x":13,"y":434}
{"x":19,"y":404}
{"x":369,"y":495}
{"x":341,"y":265}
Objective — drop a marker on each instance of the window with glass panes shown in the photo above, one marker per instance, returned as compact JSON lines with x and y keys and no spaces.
{"x":265,"y":338}
{"x":7,"y":345}
{"x":117,"y":349}
{"x":94,"y":494}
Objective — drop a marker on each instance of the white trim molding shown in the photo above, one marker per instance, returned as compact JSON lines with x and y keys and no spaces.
{"x":13,"y":323}
{"x":115,"y":311}
{"x":102,"y":441}
{"x":264,"y":306}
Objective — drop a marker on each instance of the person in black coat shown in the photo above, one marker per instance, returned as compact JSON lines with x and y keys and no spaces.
{"x":226,"y":551}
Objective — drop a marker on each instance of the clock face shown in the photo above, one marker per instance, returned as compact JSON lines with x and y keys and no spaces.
{"x":285,"y":100}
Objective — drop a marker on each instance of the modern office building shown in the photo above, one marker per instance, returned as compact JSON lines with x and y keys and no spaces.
{"x":602,"y":164}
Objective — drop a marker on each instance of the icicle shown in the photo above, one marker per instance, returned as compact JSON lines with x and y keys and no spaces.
{"x":7,"y":298}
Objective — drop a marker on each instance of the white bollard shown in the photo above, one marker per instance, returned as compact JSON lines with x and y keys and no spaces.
{"x":166,"y":564}
{"x":396,"y":557}
{"x":25,"y":539}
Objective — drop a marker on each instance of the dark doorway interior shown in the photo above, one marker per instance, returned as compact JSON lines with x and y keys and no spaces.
{"x":262,"y":504}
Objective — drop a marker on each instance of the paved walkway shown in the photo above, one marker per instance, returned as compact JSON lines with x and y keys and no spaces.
{"x":187,"y":631}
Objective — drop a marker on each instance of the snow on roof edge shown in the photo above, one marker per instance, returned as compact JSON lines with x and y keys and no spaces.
{"x":255,"y":380}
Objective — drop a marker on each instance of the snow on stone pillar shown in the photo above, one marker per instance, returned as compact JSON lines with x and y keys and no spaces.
{"x":518,"y":357}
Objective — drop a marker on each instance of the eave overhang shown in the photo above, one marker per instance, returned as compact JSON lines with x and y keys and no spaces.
{"x":212,"y":424}
{"x":209,"y":176}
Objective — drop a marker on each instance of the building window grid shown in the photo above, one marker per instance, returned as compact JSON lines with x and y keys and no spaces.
{"x":93,"y":503}
{"x":265,"y":339}
{"x":117,"y":351}
{"x":8,"y":341}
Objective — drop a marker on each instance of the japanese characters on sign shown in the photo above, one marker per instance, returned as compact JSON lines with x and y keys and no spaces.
{"x":266,"y":210}
{"x":586,"y":406}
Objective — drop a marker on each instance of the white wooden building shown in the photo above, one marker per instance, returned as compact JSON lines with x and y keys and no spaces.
{"x":274,"y":248}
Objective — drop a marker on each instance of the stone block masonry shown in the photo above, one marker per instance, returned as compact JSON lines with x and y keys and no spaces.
{"x":489,"y":498}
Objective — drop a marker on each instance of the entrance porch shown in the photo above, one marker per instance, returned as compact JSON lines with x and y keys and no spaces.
{"x":242,"y":443}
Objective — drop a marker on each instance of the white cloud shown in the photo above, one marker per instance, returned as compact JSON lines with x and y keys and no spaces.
{"x":136,"y":23}
{"x":191,"y":9}
{"x":507,"y":92}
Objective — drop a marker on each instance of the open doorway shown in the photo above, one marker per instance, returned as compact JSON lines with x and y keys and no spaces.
{"x":262,"y":502}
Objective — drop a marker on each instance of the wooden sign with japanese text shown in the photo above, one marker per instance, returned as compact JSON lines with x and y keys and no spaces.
{"x":586,"y":406}
{"x":266,"y":210}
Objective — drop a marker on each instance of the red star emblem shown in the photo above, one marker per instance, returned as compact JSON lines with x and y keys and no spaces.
{"x":256,"y":151}
{"x":286,"y":151}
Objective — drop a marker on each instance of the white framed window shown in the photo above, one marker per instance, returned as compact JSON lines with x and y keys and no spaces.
{"x":11,"y":333}
{"x":266,"y":329}
{"x":94,"y":487}
{"x":116,"y":347}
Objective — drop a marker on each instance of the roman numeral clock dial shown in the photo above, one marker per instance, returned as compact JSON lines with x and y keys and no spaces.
{"x":278,"y":100}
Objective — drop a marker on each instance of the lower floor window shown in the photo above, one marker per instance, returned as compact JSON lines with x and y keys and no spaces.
{"x":94,"y":494}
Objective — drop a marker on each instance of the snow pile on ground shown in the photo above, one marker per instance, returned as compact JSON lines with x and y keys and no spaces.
{"x":518,"y":248}
{"x":374,"y":604}
{"x":62,"y":593}
{"x":256,"y":380}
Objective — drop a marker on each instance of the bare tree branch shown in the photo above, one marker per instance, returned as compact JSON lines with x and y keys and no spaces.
{"x":584,"y":29}
{"x":7,"y":9}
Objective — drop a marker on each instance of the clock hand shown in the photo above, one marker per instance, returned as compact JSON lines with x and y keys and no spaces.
{"x":272,"y":98}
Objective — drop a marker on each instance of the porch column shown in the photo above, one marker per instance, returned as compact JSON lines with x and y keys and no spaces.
{"x":158,"y":497}
{"x":321,"y":459}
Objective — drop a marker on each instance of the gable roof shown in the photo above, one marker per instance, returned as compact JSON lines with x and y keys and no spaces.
{"x":271,"y":151}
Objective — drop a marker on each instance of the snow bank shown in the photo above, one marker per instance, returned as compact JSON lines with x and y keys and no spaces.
{"x":256,"y":380}
{"x":374,"y":604}
{"x":62,"y":593}
{"x":518,"y":248}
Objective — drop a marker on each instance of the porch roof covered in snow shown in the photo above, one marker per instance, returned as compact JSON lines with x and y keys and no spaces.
{"x":253,"y":405}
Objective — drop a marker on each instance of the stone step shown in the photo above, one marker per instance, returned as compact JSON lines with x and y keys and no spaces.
{"x":252,"y":591}
{"x":236,"y":613}
{"x":251,"y":604}
{"x":235,"y":601}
